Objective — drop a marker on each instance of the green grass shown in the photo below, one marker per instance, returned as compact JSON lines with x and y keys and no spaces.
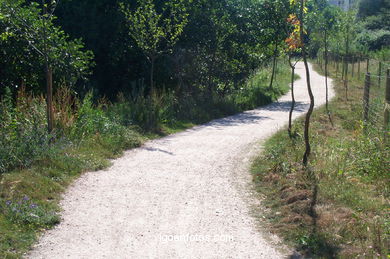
{"x":32,"y":181}
{"x":347,"y":181}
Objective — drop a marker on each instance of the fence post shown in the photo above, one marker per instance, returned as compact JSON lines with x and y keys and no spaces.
{"x":366,"y":98}
{"x":353,"y":66}
{"x":360,"y":59}
{"x":337,"y":65}
{"x":379,"y":73}
{"x":387,"y":105}
{"x":368,"y":65}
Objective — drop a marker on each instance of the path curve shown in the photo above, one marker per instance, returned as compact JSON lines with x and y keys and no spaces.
{"x":193,"y":186}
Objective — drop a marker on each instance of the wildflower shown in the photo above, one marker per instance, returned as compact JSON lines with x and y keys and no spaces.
{"x":25,"y":198}
{"x":8,"y":203}
{"x":33,"y":206}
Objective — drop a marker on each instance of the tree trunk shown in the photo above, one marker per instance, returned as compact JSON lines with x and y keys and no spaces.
{"x":326,"y":77}
{"x":292,"y":97}
{"x":310,"y":111}
{"x":346,"y":64}
{"x":211,"y":73}
{"x":273,"y":66}
{"x":152,"y":61}
{"x":49,"y":99}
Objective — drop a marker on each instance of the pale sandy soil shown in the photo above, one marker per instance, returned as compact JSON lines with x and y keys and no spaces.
{"x":193,"y":186}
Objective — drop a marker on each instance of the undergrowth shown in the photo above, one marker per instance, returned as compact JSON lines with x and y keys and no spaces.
{"x":35,"y":168}
{"x":338,"y":207}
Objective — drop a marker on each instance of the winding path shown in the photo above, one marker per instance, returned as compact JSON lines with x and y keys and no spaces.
{"x":188,"y":195}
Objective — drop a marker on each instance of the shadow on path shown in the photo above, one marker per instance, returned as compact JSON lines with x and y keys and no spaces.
{"x":285,"y":106}
{"x":152,"y":149}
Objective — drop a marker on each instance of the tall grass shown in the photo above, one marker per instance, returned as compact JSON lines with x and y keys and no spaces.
{"x":23,"y":132}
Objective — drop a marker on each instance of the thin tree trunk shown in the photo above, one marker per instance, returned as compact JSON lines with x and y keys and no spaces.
{"x":292,"y":96}
{"x":211,"y":72}
{"x":49,"y":77}
{"x":49,"y":98}
{"x":326,"y":78}
{"x":152,"y":61}
{"x":310,"y":111}
{"x":273,"y":66}
{"x":346,"y":64}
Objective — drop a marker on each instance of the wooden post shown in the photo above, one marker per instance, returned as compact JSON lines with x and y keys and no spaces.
{"x":343,"y":68}
{"x":368,"y":65}
{"x":360,"y":59}
{"x":379,"y":73}
{"x":337,"y":65}
{"x":366,"y":98}
{"x":387,"y":105}
{"x":353,"y":65}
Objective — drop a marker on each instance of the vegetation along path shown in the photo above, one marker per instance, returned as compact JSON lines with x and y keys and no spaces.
{"x":187,"y":195}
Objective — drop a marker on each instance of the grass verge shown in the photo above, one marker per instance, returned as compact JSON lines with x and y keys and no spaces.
{"x":339,"y":206}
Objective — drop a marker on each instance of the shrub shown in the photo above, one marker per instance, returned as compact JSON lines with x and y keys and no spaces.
{"x":23,"y":132}
{"x":94,"y":122}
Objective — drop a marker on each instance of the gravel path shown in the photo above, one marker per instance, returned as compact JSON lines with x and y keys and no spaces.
{"x":188,"y":195}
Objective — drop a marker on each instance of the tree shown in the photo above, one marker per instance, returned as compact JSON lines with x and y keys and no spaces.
{"x":34,"y":23}
{"x":156,"y":32}
{"x":275,"y":14}
{"x":294,"y":44}
{"x":347,"y":30}
{"x":300,"y":27}
{"x":325,"y":25}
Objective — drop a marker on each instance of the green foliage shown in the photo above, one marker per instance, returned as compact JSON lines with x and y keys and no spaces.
{"x":24,"y":139}
{"x":374,"y":40}
{"x":156,"y":33}
{"x":23,"y":135}
{"x":27,"y":25}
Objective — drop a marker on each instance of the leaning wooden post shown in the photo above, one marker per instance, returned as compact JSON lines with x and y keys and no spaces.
{"x":366,"y":98}
{"x":387,"y":106}
{"x":379,"y":73}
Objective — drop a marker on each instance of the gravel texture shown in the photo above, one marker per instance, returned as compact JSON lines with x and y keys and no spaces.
{"x":188,"y":195}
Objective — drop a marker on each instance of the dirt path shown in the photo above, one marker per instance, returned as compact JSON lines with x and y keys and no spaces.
{"x":187,"y":195}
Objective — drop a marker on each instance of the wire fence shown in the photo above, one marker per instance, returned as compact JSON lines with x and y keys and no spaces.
{"x":373,"y":76}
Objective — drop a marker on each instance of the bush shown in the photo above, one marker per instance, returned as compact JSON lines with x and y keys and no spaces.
{"x":375,"y":39}
{"x":94,"y":122}
{"x":23,"y":132}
